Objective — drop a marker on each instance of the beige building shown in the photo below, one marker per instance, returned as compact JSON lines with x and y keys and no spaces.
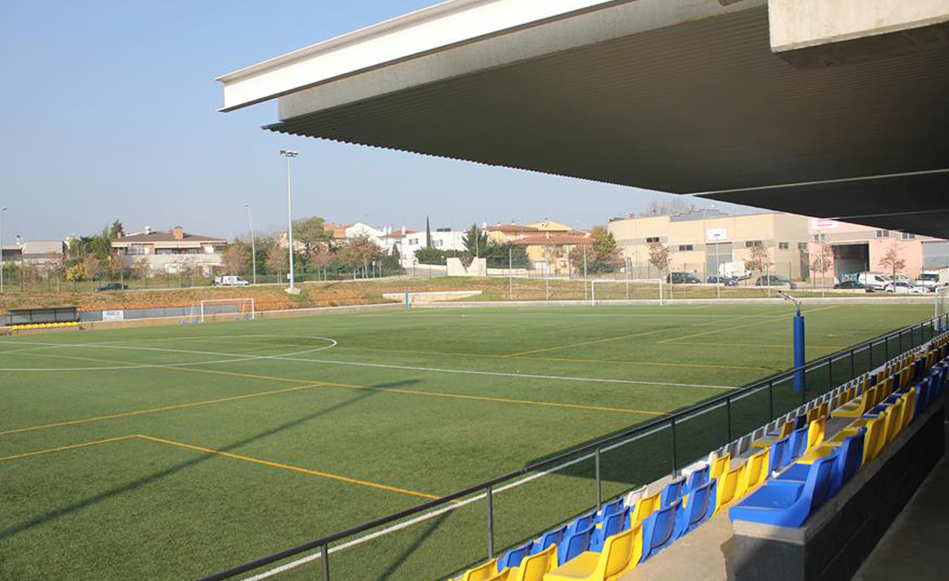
{"x":172,"y":251}
{"x":700,"y":242}
{"x":548,"y":243}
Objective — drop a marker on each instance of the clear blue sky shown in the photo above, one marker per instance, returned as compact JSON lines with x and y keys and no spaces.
{"x":108,"y":111}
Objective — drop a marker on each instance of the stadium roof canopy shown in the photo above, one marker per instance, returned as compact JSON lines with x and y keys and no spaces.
{"x":712,"y":97}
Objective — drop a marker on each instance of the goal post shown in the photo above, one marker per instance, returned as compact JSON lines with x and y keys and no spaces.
{"x":238,"y":309}
{"x":942,"y":308}
{"x":605,"y":291}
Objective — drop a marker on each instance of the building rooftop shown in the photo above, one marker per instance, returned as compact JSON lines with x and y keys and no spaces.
{"x":165,"y":236}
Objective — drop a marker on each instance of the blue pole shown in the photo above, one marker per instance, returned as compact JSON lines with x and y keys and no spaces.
{"x":799,"y":357}
{"x":406,"y":303}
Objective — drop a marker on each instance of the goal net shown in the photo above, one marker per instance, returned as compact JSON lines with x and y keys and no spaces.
{"x":942,"y":308}
{"x":605,"y":291}
{"x":226,"y":310}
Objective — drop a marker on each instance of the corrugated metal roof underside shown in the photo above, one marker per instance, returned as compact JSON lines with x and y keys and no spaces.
{"x":698,"y":107}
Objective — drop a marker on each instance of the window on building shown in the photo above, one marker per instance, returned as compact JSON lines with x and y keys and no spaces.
{"x":883,"y":233}
{"x":652,"y":240}
{"x":783,"y":246}
{"x":685,"y":248}
{"x":752,"y":243}
{"x":907,"y":236}
{"x":802,"y":246}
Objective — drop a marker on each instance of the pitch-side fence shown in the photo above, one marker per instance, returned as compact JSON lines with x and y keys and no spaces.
{"x":667,"y":444}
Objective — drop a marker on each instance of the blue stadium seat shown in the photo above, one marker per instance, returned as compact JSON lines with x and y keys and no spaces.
{"x":608,"y":509}
{"x":787,"y":503}
{"x":574,"y":544}
{"x":547,"y":539}
{"x":796,"y":445}
{"x":513,"y":557}
{"x":582,"y":522}
{"x":671,"y":492}
{"x":614,"y":523}
{"x":658,"y":529}
{"x":697,"y":478}
{"x":696,"y":508}
{"x":778,"y":454}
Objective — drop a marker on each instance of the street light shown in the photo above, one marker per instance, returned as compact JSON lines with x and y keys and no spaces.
{"x":253,"y":242}
{"x":290,"y":155}
{"x":3,"y":212}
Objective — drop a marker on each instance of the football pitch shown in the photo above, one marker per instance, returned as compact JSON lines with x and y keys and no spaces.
{"x":174,"y":452}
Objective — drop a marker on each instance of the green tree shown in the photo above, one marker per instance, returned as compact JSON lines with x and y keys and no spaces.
{"x":360,"y":250}
{"x":506,"y":255}
{"x":475,"y":241}
{"x":311,"y":234}
{"x":116,"y":230}
{"x":428,"y":233}
{"x":606,"y":254}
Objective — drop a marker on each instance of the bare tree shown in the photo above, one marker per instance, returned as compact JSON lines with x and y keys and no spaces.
{"x":893,"y":260}
{"x":277,"y":260}
{"x":235,"y":258}
{"x":823,"y":261}
{"x":360,"y":250}
{"x":669,"y":207}
{"x":758,"y":260}
{"x":91,"y":266}
{"x":660,"y":256}
{"x":322,"y":259}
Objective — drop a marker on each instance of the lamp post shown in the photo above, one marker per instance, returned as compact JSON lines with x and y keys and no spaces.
{"x":290,"y":155}
{"x":253,"y":243}
{"x":3,"y":212}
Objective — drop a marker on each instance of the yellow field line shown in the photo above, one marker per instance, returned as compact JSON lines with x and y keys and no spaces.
{"x":290,"y":467}
{"x":226,"y":455}
{"x":63,"y":448}
{"x":712,"y":332}
{"x":584,"y":343}
{"x":159,"y":409}
{"x":761,"y":345}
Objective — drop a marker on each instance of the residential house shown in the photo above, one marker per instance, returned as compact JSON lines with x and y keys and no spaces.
{"x":548,"y":243}
{"x":170,"y":251}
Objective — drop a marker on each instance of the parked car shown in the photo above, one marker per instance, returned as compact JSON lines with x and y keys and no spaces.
{"x":229,"y":280}
{"x":113,"y":286}
{"x":904,"y":288}
{"x":725,"y":280}
{"x":775,"y":280}
{"x":929,"y":280}
{"x":853,"y":285}
{"x":682,"y":278}
{"x":874,"y":280}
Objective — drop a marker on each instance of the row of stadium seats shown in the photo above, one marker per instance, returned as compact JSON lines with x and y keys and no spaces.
{"x":882,"y":412}
{"x":45,"y":325}
{"x":790,"y":465}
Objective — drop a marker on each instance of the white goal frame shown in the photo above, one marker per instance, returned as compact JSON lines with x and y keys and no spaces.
{"x":628,"y":283}
{"x":247,"y":310}
{"x":942,"y":306}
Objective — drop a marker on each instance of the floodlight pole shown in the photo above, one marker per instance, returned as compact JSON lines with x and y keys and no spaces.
{"x":3,"y":212}
{"x":253,"y":243}
{"x":290,"y":155}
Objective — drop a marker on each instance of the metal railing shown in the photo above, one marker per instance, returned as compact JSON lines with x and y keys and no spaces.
{"x":776,"y":397}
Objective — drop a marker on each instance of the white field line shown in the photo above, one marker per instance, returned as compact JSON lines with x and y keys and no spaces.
{"x":437,"y":512}
{"x":237,"y":358}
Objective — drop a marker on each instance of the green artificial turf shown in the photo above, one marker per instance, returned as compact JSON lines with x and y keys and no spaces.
{"x":175,"y":452}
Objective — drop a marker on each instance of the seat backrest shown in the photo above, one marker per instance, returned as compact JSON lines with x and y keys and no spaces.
{"x":849,"y":458}
{"x":818,"y":483}
{"x":797,"y":444}
{"x":756,"y":471}
{"x":698,"y":478}
{"x":610,"y":508}
{"x":727,"y":487}
{"x":662,"y":526}
{"x":909,"y":410}
{"x":778,"y":451}
{"x":720,"y":465}
{"x":815,"y":433}
{"x":616,"y":554}
{"x":481,"y":572}
{"x":615,"y":523}
{"x":549,"y":538}
{"x":534,"y":568}
{"x":514,"y":557}
{"x":671,"y":492}
{"x":895,"y":420}
{"x":574,"y":544}
{"x":697,"y":503}
{"x":645,"y":507}
{"x":581,"y":522}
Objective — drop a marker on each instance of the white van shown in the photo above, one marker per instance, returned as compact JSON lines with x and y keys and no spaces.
{"x":874,"y":280}
{"x":930,"y":279}
{"x":229,"y":280}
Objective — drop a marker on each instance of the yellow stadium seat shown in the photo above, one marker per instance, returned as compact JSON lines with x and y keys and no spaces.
{"x":768,"y":439}
{"x":534,"y":567}
{"x":727,"y":487}
{"x":645,"y":507}
{"x":481,"y":573}
{"x":609,"y":564}
{"x":895,"y":421}
{"x":502,"y":576}
{"x":856,"y":407}
{"x":909,"y":408}
{"x":815,"y":433}
{"x":755,"y":472}
{"x":720,"y":465}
